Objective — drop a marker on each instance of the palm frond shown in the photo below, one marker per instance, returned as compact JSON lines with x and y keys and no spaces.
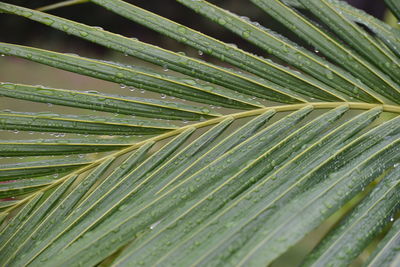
{"x":60,"y":146}
{"x":262,"y":67}
{"x":131,"y":76}
{"x":394,"y":7}
{"x":62,"y":4}
{"x":93,"y":100}
{"x":48,"y":122}
{"x":279,"y":46}
{"x":383,"y":31}
{"x":348,"y":240}
{"x":334,"y":49}
{"x":173,"y":182}
{"x":387,"y":252}
{"x":37,"y":168}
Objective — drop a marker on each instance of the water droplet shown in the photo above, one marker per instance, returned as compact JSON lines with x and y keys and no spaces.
{"x":91,"y":92}
{"x":182,"y":30}
{"x":232,"y":45}
{"x":26,"y":14}
{"x":221,"y":21}
{"x":246,"y":34}
{"x":154,"y":225}
{"x":200,"y":52}
{"x":205,"y":110}
{"x":163,"y":96}
{"x":191,"y":82}
{"x":329,"y":74}
{"x":48,"y":21}
{"x":83,"y":34}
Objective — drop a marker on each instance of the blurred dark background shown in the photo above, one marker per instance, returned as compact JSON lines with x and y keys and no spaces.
{"x":22,"y":31}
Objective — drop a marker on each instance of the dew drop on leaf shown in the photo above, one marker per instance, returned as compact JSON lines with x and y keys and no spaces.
{"x":83,"y":34}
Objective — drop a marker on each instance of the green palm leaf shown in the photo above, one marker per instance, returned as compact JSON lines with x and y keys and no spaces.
{"x":385,"y":32}
{"x":394,"y":6}
{"x":94,"y":100}
{"x":145,"y":181}
{"x":362,"y":224}
{"x":279,"y":46}
{"x":332,"y":48}
{"x":387,"y":252}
